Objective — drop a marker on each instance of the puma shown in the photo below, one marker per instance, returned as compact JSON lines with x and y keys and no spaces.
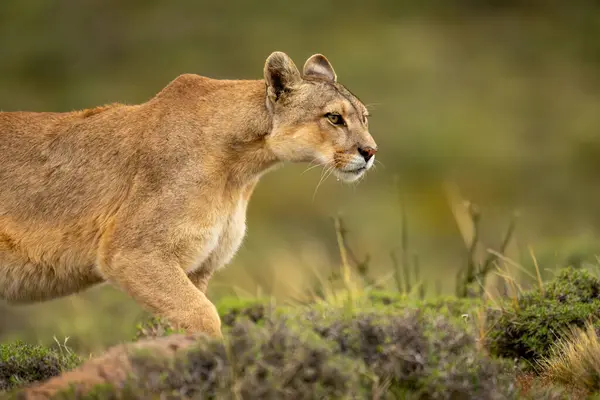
{"x":152,"y":197}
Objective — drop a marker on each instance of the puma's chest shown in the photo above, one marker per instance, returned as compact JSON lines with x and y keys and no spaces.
{"x":215,"y":246}
{"x":231,"y":237}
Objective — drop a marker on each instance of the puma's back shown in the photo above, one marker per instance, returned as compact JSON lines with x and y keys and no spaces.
{"x":60,"y":181}
{"x":55,"y":165}
{"x":65,"y":176}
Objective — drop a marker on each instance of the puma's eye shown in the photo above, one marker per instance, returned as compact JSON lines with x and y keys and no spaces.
{"x":335,"y":119}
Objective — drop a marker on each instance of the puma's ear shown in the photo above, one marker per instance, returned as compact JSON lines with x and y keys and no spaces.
{"x":281,"y":74}
{"x":318,"y":66}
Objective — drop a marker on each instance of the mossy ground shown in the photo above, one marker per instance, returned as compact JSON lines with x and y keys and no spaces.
{"x":329,"y":352}
{"x":22,"y":363}
{"x":529,"y":328}
{"x":380,"y":345}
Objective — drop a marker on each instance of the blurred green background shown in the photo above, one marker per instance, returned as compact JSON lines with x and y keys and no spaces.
{"x":498,"y":99}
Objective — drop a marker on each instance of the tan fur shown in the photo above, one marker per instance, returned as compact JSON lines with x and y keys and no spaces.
{"x":152,"y":197}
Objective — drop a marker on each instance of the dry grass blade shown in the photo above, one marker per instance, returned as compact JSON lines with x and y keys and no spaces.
{"x":512,"y":262}
{"x":537,"y":271}
{"x":342,"y":248}
{"x":576,"y":359}
{"x":491,"y":258}
{"x":512,"y":283}
{"x":397,"y":273}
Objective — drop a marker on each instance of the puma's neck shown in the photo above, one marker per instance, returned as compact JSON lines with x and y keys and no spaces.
{"x":248,"y":155}
{"x":233,"y":120}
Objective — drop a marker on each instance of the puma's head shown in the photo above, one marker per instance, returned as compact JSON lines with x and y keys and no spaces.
{"x":316,"y":119}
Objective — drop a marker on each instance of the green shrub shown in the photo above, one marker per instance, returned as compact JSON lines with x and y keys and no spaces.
{"x":257,"y":310}
{"x":529,"y":329}
{"x":449,"y":306}
{"x":277,"y":362}
{"x":22,"y":363}
{"x":570,"y":286}
{"x":154,"y":327}
{"x":418,"y":354}
{"x":230,"y":309}
{"x":325,"y":352}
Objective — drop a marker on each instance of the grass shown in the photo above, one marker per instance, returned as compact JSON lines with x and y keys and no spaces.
{"x":325,"y":352}
{"x":21,"y":363}
{"x":575,"y":359}
{"x":381,"y":344}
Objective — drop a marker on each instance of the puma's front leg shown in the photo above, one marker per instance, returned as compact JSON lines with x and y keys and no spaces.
{"x":201,"y":277}
{"x":158,"y":282}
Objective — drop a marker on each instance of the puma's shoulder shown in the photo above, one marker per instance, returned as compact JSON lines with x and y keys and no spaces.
{"x":187,"y":87}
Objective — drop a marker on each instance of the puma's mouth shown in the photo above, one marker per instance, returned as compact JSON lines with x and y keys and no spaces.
{"x":350,"y":175}
{"x":354,"y":169}
{"x":357,"y":170}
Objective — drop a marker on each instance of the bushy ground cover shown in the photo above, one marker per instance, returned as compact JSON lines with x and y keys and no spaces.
{"x":379,"y":345}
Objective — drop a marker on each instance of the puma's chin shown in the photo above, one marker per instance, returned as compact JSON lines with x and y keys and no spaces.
{"x":353,"y":167}
{"x":351,"y":175}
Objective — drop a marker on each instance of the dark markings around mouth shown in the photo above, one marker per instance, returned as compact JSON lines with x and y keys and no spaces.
{"x":356,"y":171}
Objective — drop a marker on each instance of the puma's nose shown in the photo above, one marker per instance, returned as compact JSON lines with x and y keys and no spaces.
{"x":367,"y":152}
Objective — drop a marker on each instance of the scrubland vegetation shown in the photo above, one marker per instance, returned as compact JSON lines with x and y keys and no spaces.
{"x":362,"y":343}
{"x":412,"y":294}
